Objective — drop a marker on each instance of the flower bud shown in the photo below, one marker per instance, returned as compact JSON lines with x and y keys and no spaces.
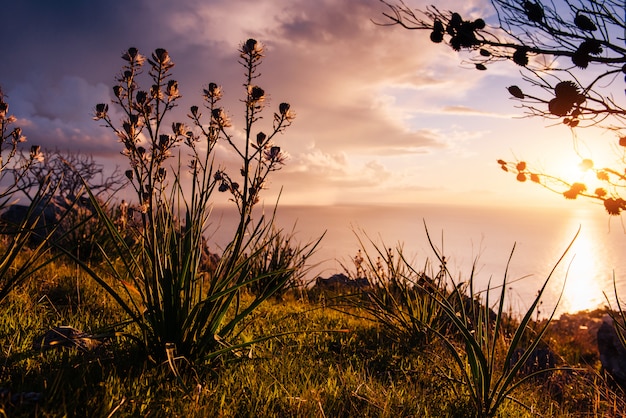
{"x":141,"y":97}
{"x":161,"y":56}
{"x":34,"y":151}
{"x":155,"y":92}
{"x":131,"y":54}
{"x":284,"y":108}
{"x":17,"y":135}
{"x":172,"y":89}
{"x":213,"y":91}
{"x":4,"y":108}
{"x":101,"y":111}
{"x":256,"y":93}
{"x":260,"y":138}
{"x":249,"y":46}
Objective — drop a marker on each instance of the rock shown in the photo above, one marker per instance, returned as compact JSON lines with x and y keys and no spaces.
{"x":65,"y":336}
{"x":612,"y":352}
{"x":46,"y":216}
{"x":540,"y":359}
{"x":340,"y":281}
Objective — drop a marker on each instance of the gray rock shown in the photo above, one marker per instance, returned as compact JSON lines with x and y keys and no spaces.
{"x":612,"y":352}
{"x":65,"y":336}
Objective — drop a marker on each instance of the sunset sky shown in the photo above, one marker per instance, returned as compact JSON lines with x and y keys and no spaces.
{"x":383,"y":115}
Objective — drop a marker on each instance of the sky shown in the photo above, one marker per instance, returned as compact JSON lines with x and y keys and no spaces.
{"x":383,"y":114}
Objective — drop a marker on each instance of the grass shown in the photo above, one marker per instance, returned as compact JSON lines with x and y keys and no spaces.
{"x":351,"y":369}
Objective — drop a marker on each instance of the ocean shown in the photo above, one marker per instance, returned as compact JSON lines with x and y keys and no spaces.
{"x":467,"y":236}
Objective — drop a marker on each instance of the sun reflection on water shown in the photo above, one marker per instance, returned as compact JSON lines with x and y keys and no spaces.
{"x":586,"y":273}
{"x":582,"y":289}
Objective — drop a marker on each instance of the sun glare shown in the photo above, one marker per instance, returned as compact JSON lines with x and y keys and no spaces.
{"x":575,"y":169}
{"x":583,"y":289}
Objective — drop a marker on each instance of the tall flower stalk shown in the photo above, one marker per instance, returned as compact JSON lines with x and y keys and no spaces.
{"x":17,"y":265}
{"x":159,"y":283}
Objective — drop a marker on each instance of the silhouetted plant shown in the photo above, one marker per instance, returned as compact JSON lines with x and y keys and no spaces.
{"x":395,"y":297}
{"x":278,"y":258}
{"x":489,"y":358}
{"x":80,"y":229}
{"x":160,"y":286}
{"x":569,"y":52}
{"x":16,"y":264}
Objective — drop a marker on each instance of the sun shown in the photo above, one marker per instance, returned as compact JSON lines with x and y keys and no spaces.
{"x":574,"y":169}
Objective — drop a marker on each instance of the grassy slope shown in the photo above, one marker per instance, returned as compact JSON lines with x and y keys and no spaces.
{"x":356,"y":370}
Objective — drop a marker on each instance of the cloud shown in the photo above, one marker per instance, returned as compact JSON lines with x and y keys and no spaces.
{"x":372,"y":102}
{"x":58,"y":116}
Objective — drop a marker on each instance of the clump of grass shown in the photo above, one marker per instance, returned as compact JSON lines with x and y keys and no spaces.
{"x":395,"y":298}
{"x":180,"y":310}
{"x":488,"y":349}
{"x":486,"y":358}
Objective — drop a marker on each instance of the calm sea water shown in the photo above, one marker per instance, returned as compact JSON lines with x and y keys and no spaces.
{"x":467,"y":235}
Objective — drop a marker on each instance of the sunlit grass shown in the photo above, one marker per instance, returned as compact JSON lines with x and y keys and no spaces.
{"x":351,"y":368}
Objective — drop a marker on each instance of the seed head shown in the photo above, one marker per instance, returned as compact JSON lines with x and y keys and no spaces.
{"x":213,"y":91}
{"x":172,"y":89}
{"x":591,"y":46}
{"x":220,"y":117}
{"x":438,"y":26}
{"x":141,"y":97}
{"x":584,"y":23}
{"x":516,"y":92}
{"x":252,"y":47}
{"x":559,"y":107}
{"x":567,"y":91}
{"x":436,"y":36}
{"x":520,"y":57}
{"x":101,"y":111}
{"x":479,"y":24}
{"x":260,"y":138}
{"x":179,"y":128}
{"x":4,"y":108}
{"x":614,"y":206}
{"x":16,"y":134}
{"x":581,"y":58}
{"x":132,"y":55}
{"x":161,"y":57}
{"x":35,"y":153}
{"x":534,"y":11}
{"x":257,"y":94}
